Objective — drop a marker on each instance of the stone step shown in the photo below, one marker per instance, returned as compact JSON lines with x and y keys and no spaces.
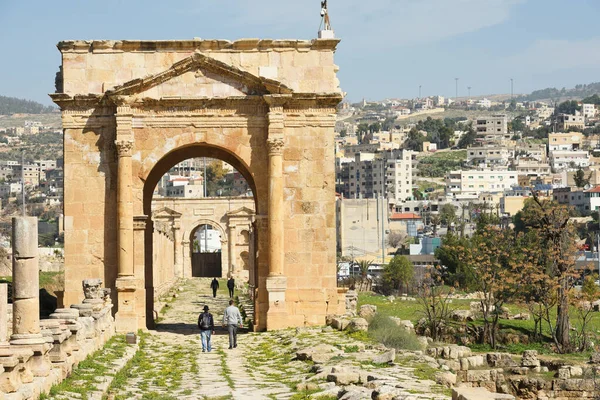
{"x":478,"y":393}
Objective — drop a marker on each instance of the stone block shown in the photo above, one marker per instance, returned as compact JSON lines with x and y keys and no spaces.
{"x":385,"y":358}
{"x":478,"y":393}
{"x":343,"y":378}
{"x":358,"y":324}
{"x":24,"y":237}
{"x":530,"y":359}
{"x":367,"y":311}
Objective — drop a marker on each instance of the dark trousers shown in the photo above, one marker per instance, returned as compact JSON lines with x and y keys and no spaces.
{"x":232,"y":329}
{"x":214,"y":292}
{"x":230,"y":292}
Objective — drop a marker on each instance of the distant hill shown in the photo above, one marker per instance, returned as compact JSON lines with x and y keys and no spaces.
{"x":578,"y":91}
{"x":12,"y":105}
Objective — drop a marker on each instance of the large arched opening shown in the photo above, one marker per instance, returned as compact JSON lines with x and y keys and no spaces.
{"x":206,"y":245}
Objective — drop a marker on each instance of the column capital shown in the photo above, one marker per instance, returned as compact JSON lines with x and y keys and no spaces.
{"x":275,"y":145}
{"x":139,"y":222}
{"x":124,"y":147}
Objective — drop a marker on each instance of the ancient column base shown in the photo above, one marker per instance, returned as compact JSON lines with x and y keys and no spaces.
{"x":39,"y":364}
{"x":127,"y":318}
{"x":277,"y":315}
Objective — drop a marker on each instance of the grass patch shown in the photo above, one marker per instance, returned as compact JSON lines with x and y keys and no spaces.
{"x":383,"y":330}
{"x":225,"y":371}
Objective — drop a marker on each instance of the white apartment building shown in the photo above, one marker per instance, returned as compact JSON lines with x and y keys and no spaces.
{"x":565,"y":141}
{"x":489,"y":155}
{"x":494,"y":127}
{"x":531,"y":167}
{"x":530,"y":150}
{"x":561,"y":159}
{"x":588,"y":110}
{"x":373,"y":174}
{"x":476,"y":182}
{"x":189,"y":189}
{"x":7,"y":189}
{"x":544,"y":112}
{"x":484,"y":103}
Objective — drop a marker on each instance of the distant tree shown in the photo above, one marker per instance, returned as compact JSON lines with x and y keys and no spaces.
{"x":594,"y":99}
{"x":343,"y":132}
{"x":452,"y":256}
{"x":388,"y":124}
{"x":414,"y":140}
{"x":363,"y":266}
{"x":568,"y":107}
{"x":396,"y":238}
{"x":467,"y":139}
{"x":375,"y":127}
{"x":580,"y":179}
{"x":399,"y":272}
{"x":447,"y":214}
{"x":435,"y":221}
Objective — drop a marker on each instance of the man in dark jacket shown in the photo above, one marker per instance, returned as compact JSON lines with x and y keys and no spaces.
{"x":230,"y":286}
{"x":206,"y":324}
{"x":214,"y":285}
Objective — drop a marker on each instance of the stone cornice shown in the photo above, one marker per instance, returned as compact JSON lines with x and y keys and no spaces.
{"x":119,"y":46}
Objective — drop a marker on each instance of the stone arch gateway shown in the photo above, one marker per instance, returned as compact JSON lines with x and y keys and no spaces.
{"x":130,"y":109}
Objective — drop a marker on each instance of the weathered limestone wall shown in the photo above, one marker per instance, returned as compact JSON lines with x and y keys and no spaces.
{"x":94,"y":67}
{"x":90,"y":206}
{"x":163,"y":258}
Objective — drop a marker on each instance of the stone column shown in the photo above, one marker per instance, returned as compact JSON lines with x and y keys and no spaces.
{"x":187,"y":259}
{"x":3,"y":314}
{"x":26,"y":291}
{"x":276,"y":283}
{"x":125,"y":208}
{"x":177,"y":251}
{"x":126,"y":285}
{"x":275,"y":206}
{"x":232,"y":243}
{"x":140,"y":224}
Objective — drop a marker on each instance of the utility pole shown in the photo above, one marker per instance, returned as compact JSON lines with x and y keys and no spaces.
{"x":511,"y":89}
{"x":419,"y":91}
{"x":23,"y":181}
{"x":383,"y":161}
{"x":469,"y":90}
{"x":456,"y":93}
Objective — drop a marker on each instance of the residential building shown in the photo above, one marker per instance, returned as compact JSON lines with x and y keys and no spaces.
{"x":484,"y":103}
{"x":438,"y":101}
{"x":359,"y":227}
{"x":560,"y":159}
{"x":373,"y":174}
{"x":530,"y":167}
{"x":479,"y":181}
{"x":191,"y":188}
{"x":544,"y":112}
{"x":565,"y":141}
{"x":494,"y":127}
{"x":531,"y":150}
{"x":9,"y":189}
{"x":489,"y":155}
{"x":593,"y":198}
{"x":510,"y":205}
{"x":566,"y":121}
{"x":588,"y":110}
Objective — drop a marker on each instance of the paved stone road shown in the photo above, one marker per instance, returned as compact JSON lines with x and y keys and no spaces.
{"x":173,"y":365}
{"x":170,"y":365}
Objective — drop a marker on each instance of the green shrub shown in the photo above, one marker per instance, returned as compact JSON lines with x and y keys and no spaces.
{"x":384,"y":330}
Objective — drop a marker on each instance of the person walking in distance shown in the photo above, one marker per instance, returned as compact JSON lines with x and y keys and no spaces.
{"x":233,"y":320}
{"x":206,"y":323}
{"x":214,"y":285}
{"x":230,"y":286}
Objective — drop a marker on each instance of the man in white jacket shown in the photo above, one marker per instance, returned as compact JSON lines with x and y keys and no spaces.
{"x":233,"y":319}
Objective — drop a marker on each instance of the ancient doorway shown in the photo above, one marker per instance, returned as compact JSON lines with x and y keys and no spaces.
{"x":206,"y":243}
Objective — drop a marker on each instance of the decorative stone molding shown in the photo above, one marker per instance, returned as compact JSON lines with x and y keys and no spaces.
{"x":124,"y":147}
{"x":119,"y":46}
{"x":275,"y":146}
{"x":139,"y":222}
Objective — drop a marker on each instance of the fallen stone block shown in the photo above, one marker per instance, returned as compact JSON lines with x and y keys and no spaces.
{"x":358,"y":324}
{"x":367,"y":311}
{"x":339,"y":323}
{"x":352,"y":392}
{"x":478,"y":393}
{"x":530,"y":359}
{"x":386,"y":358}
{"x":343,"y":378}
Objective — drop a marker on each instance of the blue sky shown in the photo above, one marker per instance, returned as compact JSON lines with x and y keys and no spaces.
{"x":388,"y":48}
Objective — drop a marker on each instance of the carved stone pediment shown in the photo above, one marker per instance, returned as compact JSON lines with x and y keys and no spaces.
{"x":241,"y":212}
{"x":165,"y":213}
{"x":199,"y":76}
